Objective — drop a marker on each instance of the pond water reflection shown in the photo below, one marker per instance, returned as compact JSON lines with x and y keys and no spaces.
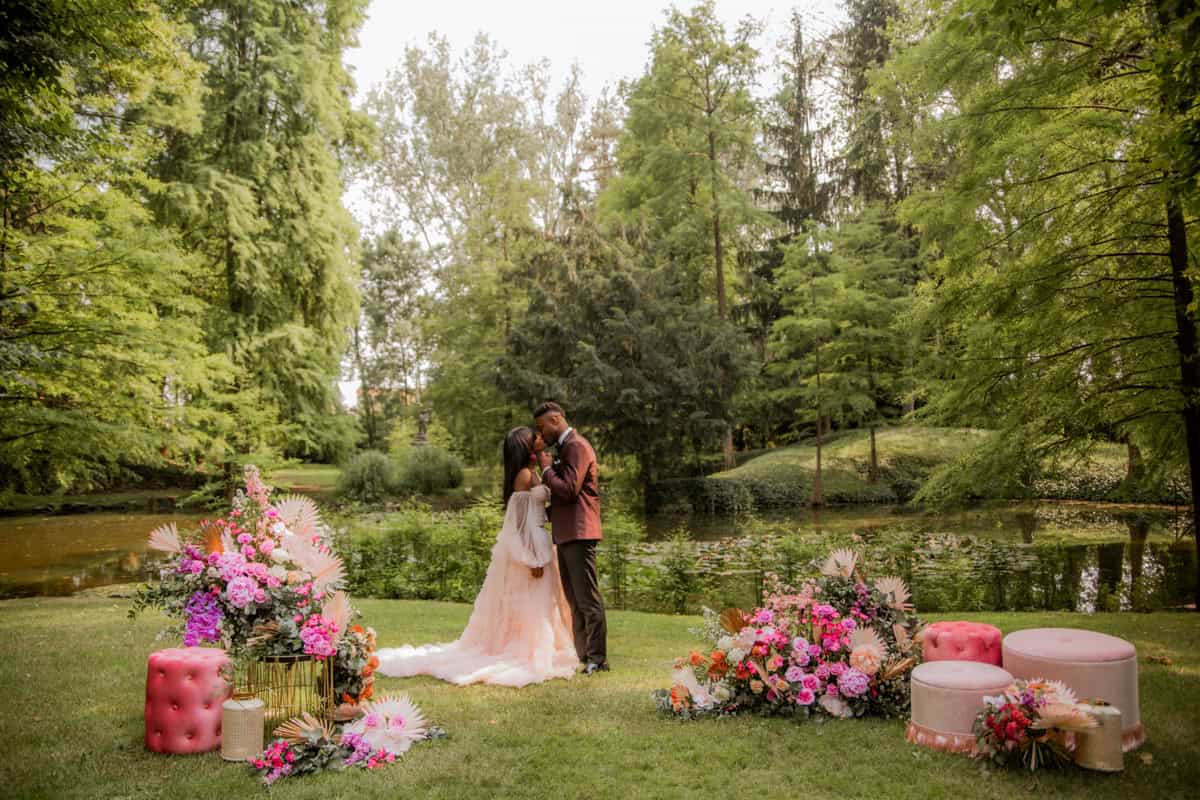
{"x":61,"y":555}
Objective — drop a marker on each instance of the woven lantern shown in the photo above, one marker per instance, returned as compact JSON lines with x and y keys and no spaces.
{"x":242,"y":719}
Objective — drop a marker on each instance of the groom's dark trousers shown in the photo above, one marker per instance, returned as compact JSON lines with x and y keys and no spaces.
{"x":575,"y":525}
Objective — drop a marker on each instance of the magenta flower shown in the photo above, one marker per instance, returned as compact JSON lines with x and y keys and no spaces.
{"x":814,"y":651}
{"x":800,"y":658}
{"x":837,"y":668}
{"x":794,"y":674}
{"x":805,"y":697}
{"x":799,"y":643}
{"x":811,"y":682}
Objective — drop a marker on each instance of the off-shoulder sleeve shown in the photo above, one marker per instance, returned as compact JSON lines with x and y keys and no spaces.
{"x":528,"y":542}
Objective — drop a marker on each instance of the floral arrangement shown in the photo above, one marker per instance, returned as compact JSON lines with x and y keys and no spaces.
{"x":263,"y":581}
{"x":839,"y":646}
{"x":386,"y":729}
{"x":1031,"y":724}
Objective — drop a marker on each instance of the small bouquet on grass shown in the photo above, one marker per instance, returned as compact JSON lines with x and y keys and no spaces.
{"x":839,"y":646}
{"x":1031,"y":725}
{"x":386,"y":729}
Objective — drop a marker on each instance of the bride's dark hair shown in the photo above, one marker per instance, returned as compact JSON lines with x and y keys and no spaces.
{"x":518,"y":448}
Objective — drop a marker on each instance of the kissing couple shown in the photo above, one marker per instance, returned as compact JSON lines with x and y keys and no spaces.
{"x":539,"y":614}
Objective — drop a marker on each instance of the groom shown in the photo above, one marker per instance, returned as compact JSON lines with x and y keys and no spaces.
{"x":575,"y":524}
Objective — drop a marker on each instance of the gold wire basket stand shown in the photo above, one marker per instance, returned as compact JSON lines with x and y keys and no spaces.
{"x":290,"y":686}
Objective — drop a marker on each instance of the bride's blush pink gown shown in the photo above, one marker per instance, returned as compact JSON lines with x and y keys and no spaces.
{"x":520,"y":629}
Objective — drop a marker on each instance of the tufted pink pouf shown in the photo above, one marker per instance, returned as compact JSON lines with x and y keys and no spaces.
{"x":184,"y":693}
{"x":1095,"y":666}
{"x":962,"y":641}
{"x":946,"y":696}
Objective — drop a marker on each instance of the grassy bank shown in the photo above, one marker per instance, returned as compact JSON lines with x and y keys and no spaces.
{"x":78,"y":668}
{"x":907,"y":456}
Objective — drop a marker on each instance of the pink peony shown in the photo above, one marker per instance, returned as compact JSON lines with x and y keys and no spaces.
{"x":805,"y":697}
{"x":266,"y":547}
{"x":811,"y":682}
{"x":241,"y":591}
{"x":794,"y":674}
{"x":853,"y":683}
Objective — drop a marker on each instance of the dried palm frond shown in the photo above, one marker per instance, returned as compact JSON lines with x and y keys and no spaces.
{"x":840,"y":563}
{"x":866,"y":635}
{"x":732,"y":620}
{"x":344,"y":712}
{"x":300,"y":514}
{"x":337,"y":608}
{"x":166,"y":539}
{"x":392,"y":722}
{"x":896,"y":591}
{"x":904,"y":642}
{"x":325,"y":569}
{"x":304,"y":728}
{"x":897,"y":668}
{"x":262,"y":633}
{"x":1064,"y":716}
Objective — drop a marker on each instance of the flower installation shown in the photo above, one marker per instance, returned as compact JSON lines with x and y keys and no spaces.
{"x":386,"y":729}
{"x":1032,"y":724}
{"x":838,"y":646}
{"x":263,"y":581}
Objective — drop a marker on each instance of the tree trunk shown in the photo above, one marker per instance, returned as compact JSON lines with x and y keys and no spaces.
{"x":818,"y":495}
{"x":1189,"y":359}
{"x":730,"y":460}
{"x":718,"y":252}
{"x":364,"y":389}
{"x":874,"y":458}
{"x":1135,"y":467}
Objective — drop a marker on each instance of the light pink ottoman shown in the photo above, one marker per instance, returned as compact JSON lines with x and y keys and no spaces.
{"x":962,"y":641}
{"x":1094,"y":665}
{"x":946,"y":696}
{"x":184,"y":693}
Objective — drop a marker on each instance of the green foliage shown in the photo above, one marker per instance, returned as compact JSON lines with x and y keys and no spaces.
{"x":257,"y":191}
{"x":428,"y":470}
{"x":636,"y":364}
{"x":678,"y":577}
{"x":368,"y":477}
{"x":100,"y":343}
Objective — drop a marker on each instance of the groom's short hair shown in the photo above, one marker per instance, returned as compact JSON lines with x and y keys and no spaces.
{"x":549,"y":407}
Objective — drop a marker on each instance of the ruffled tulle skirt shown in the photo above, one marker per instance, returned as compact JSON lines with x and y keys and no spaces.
{"x":519,"y":633}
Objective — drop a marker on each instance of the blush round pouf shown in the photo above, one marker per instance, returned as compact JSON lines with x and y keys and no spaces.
{"x":1095,"y":666}
{"x":946,"y":696}
{"x":184,"y":693}
{"x":962,"y":641}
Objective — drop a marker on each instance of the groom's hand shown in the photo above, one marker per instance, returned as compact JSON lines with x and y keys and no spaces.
{"x":537,"y":571}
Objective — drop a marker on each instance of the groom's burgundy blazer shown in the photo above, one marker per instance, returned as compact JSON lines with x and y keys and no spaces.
{"x":574,"y":492}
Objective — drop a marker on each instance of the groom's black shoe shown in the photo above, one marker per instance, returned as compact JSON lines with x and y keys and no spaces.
{"x":592,"y":669}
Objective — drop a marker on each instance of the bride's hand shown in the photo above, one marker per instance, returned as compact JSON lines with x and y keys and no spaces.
{"x":537,"y":571}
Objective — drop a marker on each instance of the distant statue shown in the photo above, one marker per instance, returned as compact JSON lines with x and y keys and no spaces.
{"x":422,"y":436}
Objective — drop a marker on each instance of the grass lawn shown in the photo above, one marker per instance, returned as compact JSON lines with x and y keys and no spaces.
{"x":75,"y":670}
{"x":306,"y":477}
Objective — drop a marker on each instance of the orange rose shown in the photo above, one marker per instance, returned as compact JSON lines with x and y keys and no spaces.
{"x":718,"y":656}
{"x":696,"y":659}
{"x":717,"y":670}
{"x":679,"y":697}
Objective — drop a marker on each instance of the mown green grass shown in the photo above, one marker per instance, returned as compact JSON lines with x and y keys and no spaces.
{"x":74,"y":671}
{"x":319,"y":477}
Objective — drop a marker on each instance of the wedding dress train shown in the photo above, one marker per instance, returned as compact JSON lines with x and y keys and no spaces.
{"x":520,"y":629}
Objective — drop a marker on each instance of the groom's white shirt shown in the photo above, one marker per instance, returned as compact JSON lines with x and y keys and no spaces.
{"x":563,"y":438}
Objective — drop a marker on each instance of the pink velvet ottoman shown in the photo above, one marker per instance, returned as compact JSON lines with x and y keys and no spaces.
{"x":1095,"y":666}
{"x":962,"y":641}
{"x":946,"y":696}
{"x":184,"y":693}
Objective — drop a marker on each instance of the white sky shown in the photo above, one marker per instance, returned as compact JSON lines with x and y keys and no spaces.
{"x":608,"y":40}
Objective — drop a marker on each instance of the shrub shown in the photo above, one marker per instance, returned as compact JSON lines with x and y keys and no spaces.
{"x":429,"y":470}
{"x":369,"y":477}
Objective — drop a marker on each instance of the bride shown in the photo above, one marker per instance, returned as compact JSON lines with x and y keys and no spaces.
{"x":520,"y":629}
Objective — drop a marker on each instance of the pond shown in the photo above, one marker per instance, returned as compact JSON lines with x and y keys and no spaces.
{"x":1070,"y":556}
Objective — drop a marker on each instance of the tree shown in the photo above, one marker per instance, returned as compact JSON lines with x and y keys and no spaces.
{"x":622,"y":346}
{"x":99,"y":334}
{"x":257,"y":191}
{"x":1063,"y":293}
{"x":690,"y":133}
{"x":390,"y":350}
